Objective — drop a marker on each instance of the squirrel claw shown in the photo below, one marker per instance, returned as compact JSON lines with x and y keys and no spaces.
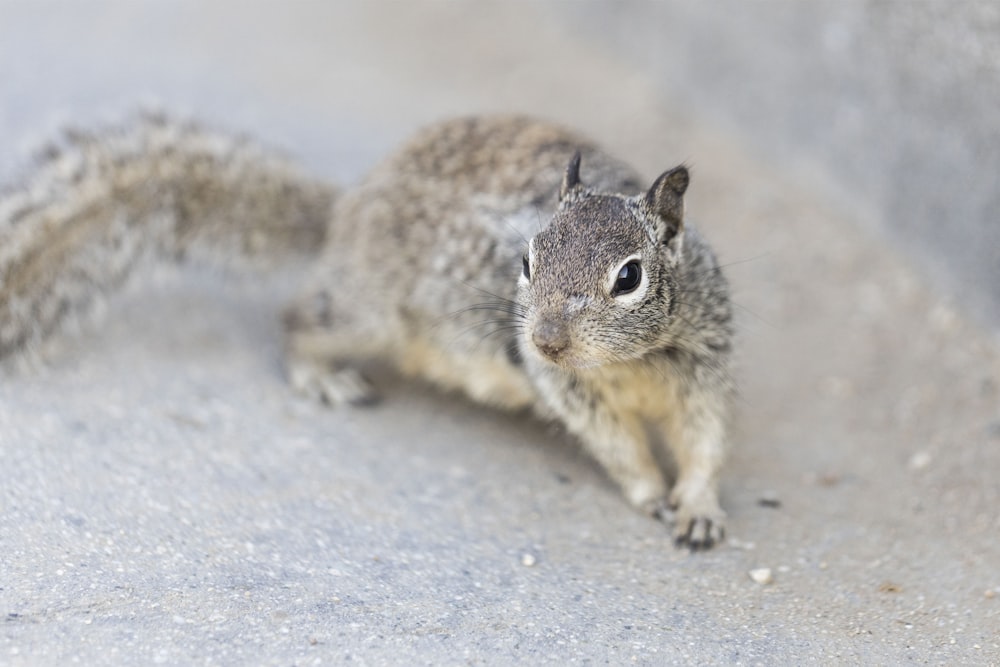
{"x":661,"y":510}
{"x":700,"y":523}
{"x":699,"y":533}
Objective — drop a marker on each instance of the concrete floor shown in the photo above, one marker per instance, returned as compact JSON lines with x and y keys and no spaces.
{"x":164,"y":498}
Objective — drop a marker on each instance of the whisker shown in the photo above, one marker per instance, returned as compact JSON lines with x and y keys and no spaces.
{"x":514,"y":229}
{"x":745,"y":260}
{"x":489,"y":293}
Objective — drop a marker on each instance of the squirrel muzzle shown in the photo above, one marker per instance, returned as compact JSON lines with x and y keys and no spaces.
{"x":551,"y":338}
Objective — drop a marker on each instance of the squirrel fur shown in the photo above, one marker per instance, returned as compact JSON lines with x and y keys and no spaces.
{"x":501,"y":256}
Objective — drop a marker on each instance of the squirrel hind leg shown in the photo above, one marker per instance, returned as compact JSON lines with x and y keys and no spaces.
{"x":321,"y":348}
{"x":327,"y":384}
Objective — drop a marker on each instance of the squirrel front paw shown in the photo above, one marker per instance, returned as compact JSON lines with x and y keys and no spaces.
{"x":699,"y":522}
{"x":695,"y":516}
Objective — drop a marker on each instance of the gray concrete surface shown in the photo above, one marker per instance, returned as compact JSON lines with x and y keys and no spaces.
{"x":165,"y":499}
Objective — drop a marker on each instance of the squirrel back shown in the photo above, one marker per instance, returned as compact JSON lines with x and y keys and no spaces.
{"x":97,"y":206}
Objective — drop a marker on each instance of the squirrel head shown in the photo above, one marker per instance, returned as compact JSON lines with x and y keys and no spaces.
{"x":599,"y":283}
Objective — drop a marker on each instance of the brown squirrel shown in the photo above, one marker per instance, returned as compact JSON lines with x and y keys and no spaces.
{"x":505,"y":257}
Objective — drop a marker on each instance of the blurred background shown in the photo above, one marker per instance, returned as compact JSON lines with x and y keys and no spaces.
{"x":890,"y":106}
{"x":894,"y":104}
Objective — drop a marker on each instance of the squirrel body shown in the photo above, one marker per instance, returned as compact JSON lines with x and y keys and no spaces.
{"x":503,"y":257}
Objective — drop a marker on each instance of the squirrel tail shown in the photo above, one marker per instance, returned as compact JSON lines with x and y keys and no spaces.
{"x":99,"y":205}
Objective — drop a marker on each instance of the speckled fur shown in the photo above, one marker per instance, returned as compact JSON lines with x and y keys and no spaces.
{"x":422,"y":268}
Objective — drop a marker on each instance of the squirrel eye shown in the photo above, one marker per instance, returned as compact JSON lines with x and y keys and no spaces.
{"x":526,"y":269}
{"x":628,"y":278}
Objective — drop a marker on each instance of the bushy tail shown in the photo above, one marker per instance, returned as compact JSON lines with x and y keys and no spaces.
{"x":97,"y":205}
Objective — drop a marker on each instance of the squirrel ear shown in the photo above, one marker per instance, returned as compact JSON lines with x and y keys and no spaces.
{"x":571,"y":178}
{"x":666,"y":199}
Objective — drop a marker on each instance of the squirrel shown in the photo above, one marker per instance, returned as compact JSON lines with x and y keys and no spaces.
{"x":504,"y":257}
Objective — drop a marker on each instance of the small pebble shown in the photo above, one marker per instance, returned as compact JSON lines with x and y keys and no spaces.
{"x":919,"y":461}
{"x":762,"y":575}
{"x":735,"y":543}
{"x":769,"y":499}
{"x":528,"y":560}
{"x":829,"y":479}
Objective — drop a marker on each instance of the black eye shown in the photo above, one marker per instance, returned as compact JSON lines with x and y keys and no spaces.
{"x":525,"y":268}
{"x":628,"y":278}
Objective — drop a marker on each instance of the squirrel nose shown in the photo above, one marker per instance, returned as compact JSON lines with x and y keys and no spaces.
{"x":550,"y":337}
